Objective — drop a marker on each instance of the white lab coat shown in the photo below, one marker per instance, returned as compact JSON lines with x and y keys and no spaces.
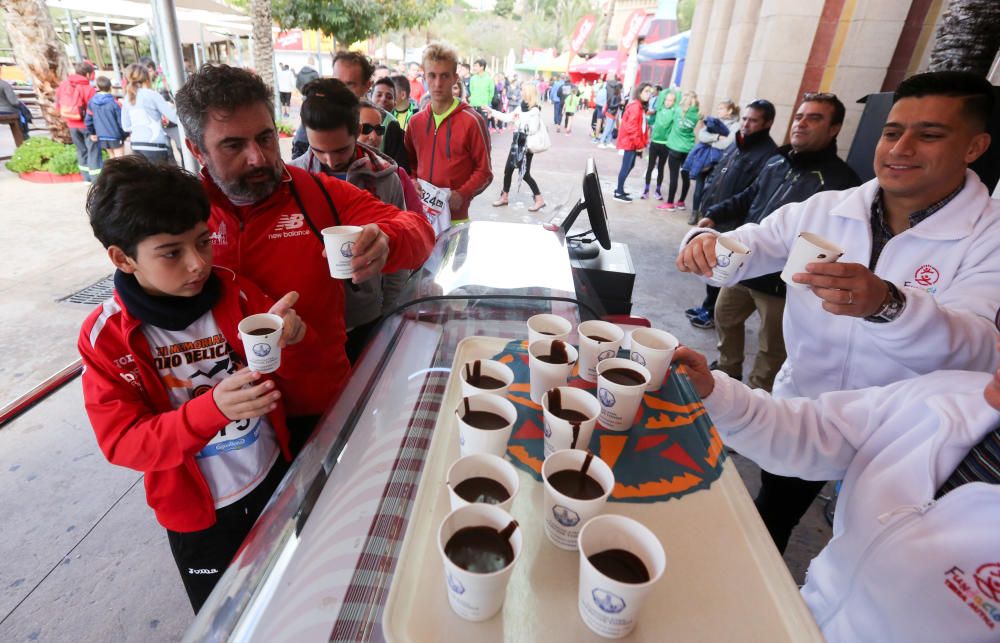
{"x":948,"y":267}
{"x":901,"y":566}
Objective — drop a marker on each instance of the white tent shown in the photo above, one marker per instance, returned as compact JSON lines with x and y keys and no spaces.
{"x":192,"y":32}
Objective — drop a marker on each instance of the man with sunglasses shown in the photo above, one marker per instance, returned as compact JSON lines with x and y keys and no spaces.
{"x":915,"y":553}
{"x":919,"y":282}
{"x":331,"y":116}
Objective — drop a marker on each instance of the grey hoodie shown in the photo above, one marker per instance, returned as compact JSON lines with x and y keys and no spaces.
{"x":378,"y":174}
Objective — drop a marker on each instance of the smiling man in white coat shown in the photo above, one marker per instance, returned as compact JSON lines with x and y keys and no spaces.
{"x":919,"y":282}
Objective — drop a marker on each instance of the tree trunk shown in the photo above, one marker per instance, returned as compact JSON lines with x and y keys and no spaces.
{"x":263,"y":44}
{"x":41,"y":54}
{"x":968,"y":37}
{"x":608,"y":15}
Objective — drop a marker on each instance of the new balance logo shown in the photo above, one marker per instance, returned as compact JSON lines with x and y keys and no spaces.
{"x":289,"y":222}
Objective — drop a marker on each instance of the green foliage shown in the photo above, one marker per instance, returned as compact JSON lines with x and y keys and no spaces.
{"x":504,"y":8}
{"x":685,"y":13}
{"x":284,"y":127}
{"x":351,"y":20}
{"x":46,"y":155}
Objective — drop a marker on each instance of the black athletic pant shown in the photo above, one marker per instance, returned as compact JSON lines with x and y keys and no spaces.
{"x":674,"y":161}
{"x":657,"y":157}
{"x":782,"y":502}
{"x":357,"y":339}
{"x":203,"y":556}
{"x":508,"y":173}
{"x":711,"y":295}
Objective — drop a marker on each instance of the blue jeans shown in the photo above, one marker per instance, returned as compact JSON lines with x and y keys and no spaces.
{"x":557,"y":112}
{"x":609,"y":129}
{"x":628,"y":162}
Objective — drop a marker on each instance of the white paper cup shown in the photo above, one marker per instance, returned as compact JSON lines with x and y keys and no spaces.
{"x":619,"y":402}
{"x":339,"y":242}
{"x":474,"y":596}
{"x":564,"y":515}
{"x":808,"y":248}
{"x":729,"y":256}
{"x":262,"y":351}
{"x":545,"y":375}
{"x":653,"y":348}
{"x":559,"y":432}
{"x":472,"y":439}
{"x":482,"y":465}
{"x":488,"y":367}
{"x":608,"y":607}
{"x":548,"y":326}
{"x":592,"y":351}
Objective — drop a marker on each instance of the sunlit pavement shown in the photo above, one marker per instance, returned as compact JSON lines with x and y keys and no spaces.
{"x":84,"y":557}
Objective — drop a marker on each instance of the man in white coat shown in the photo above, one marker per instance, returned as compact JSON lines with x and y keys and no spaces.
{"x":915,"y":554}
{"x":919,"y":282}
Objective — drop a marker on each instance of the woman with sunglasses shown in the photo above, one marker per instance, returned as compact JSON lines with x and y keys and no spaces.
{"x":528,"y":120}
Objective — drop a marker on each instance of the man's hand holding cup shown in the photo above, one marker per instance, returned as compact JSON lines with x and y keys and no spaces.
{"x":293,"y":329}
{"x":698,"y":256}
{"x":371,"y":252}
{"x":845,"y":288}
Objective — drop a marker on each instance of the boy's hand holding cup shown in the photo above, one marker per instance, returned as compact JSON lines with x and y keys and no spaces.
{"x":293,"y":329}
{"x":239,"y":398}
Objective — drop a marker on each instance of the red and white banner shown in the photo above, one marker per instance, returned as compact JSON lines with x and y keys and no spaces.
{"x":583,"y":29}
{"x":632,"y":26}
{"x":289,"y":40}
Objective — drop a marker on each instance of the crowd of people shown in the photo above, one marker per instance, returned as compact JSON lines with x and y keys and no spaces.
{"x":879,"y":369}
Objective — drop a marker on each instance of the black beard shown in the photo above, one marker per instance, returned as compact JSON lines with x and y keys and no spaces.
{"x":241,"y":190}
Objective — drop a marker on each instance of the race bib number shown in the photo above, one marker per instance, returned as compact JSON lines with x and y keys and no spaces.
{"x":436,"y":208}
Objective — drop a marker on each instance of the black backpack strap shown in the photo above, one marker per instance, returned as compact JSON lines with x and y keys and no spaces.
{"x":309,"y":221}
{"x":329,"y":201}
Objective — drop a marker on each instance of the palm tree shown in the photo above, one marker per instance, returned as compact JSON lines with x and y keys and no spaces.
{"x":40,"y":52}
{"x":968,"y":36}
{"x":263,"y":44}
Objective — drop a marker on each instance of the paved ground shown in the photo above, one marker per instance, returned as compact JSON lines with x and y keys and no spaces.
{"x":83,"y":557}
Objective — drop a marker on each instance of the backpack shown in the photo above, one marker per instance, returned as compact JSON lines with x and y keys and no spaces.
{"x":76,"y":111}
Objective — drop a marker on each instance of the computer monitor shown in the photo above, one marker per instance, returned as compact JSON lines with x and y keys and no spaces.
{"x":592,"y":200}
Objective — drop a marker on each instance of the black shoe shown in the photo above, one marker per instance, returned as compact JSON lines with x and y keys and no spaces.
{"x":691,"y":313}
{"x":693,"y":219}
{"x":621,"y":197}
{"x":703,"y":320}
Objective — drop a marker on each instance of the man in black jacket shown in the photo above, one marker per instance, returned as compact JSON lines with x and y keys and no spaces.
{"x":798,"y":171}
{"x":737,"y":168}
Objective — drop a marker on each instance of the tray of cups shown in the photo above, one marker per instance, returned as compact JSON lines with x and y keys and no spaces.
{"x":492,"y":554}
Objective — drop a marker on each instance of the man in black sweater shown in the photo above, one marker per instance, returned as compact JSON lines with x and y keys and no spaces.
{"x":799,"y":170}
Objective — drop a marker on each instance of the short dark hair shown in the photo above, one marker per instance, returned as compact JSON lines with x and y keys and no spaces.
{"x":104,"y":83}
{"x":220,"y":87}
{"x":361,"y":60}
{"x":84,"y":68}
{"x":329,"y":104}
{"x":765,"y":106}
{"x":830,"y":99}
{"x":481,"y":62}
{"x":976,"y":91}
{"x":386,"y":80}
{"x":134,"y":198}
{"x":402,"y":84}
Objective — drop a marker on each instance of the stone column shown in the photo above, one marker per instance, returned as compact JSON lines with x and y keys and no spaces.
{"x":715,"y":46}
{"x":740,"y":39}
{"x":696,"y":44}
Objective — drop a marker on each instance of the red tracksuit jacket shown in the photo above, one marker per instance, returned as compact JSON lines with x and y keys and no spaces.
{"x":455,"y":155}
{"x":272,"y":244}
{"x":135,"y":423}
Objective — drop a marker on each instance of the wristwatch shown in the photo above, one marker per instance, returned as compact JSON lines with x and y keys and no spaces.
{"x":892,"y":306}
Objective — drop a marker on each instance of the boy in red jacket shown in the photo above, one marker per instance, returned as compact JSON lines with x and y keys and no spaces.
{"x":165,"y":383}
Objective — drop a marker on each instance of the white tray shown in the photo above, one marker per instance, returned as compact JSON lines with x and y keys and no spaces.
{"x":724,"y":579}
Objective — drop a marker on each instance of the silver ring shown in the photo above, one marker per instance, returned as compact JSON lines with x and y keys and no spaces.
{"x":850,"y":298}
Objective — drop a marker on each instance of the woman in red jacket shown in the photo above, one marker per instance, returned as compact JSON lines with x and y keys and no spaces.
{"x":633,"y":136}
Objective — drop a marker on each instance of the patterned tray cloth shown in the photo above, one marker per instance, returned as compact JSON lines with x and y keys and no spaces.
{"x":671,"y":450}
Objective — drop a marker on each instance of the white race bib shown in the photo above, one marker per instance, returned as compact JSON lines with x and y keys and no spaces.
{"x":436,"y":207}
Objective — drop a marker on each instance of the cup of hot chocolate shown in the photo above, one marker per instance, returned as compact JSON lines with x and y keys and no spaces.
{"x":484,"y":424}
{"x":620,"y":561}
{"x":620,"y":387}
{"x":653,"y":348}
{"x":569,"y":417}
{"x":806,"y":249}
{"x":479,"y":545}
{"x":485,"y":376}
{"x":548,"y":326}
{"x":482,"y":477}
{"x":729,"y":256}
{"x":577,"y":485}
{"x":339,"y":244}
{"x":599,"y":340}
{"x":550,"y":363}
{"x":260,"y":335}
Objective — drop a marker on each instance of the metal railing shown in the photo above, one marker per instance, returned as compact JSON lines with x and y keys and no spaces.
{"x":40,"y":392}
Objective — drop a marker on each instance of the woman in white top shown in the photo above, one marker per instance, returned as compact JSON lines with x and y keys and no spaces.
{"x":528,"y":120}
{"x":143,"y":111}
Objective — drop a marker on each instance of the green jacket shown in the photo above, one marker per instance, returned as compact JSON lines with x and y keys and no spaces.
{"x":663,"y":120}
{"x":681,"y":137}
{"x":481,"y":90}
{"x":572,"y":102}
